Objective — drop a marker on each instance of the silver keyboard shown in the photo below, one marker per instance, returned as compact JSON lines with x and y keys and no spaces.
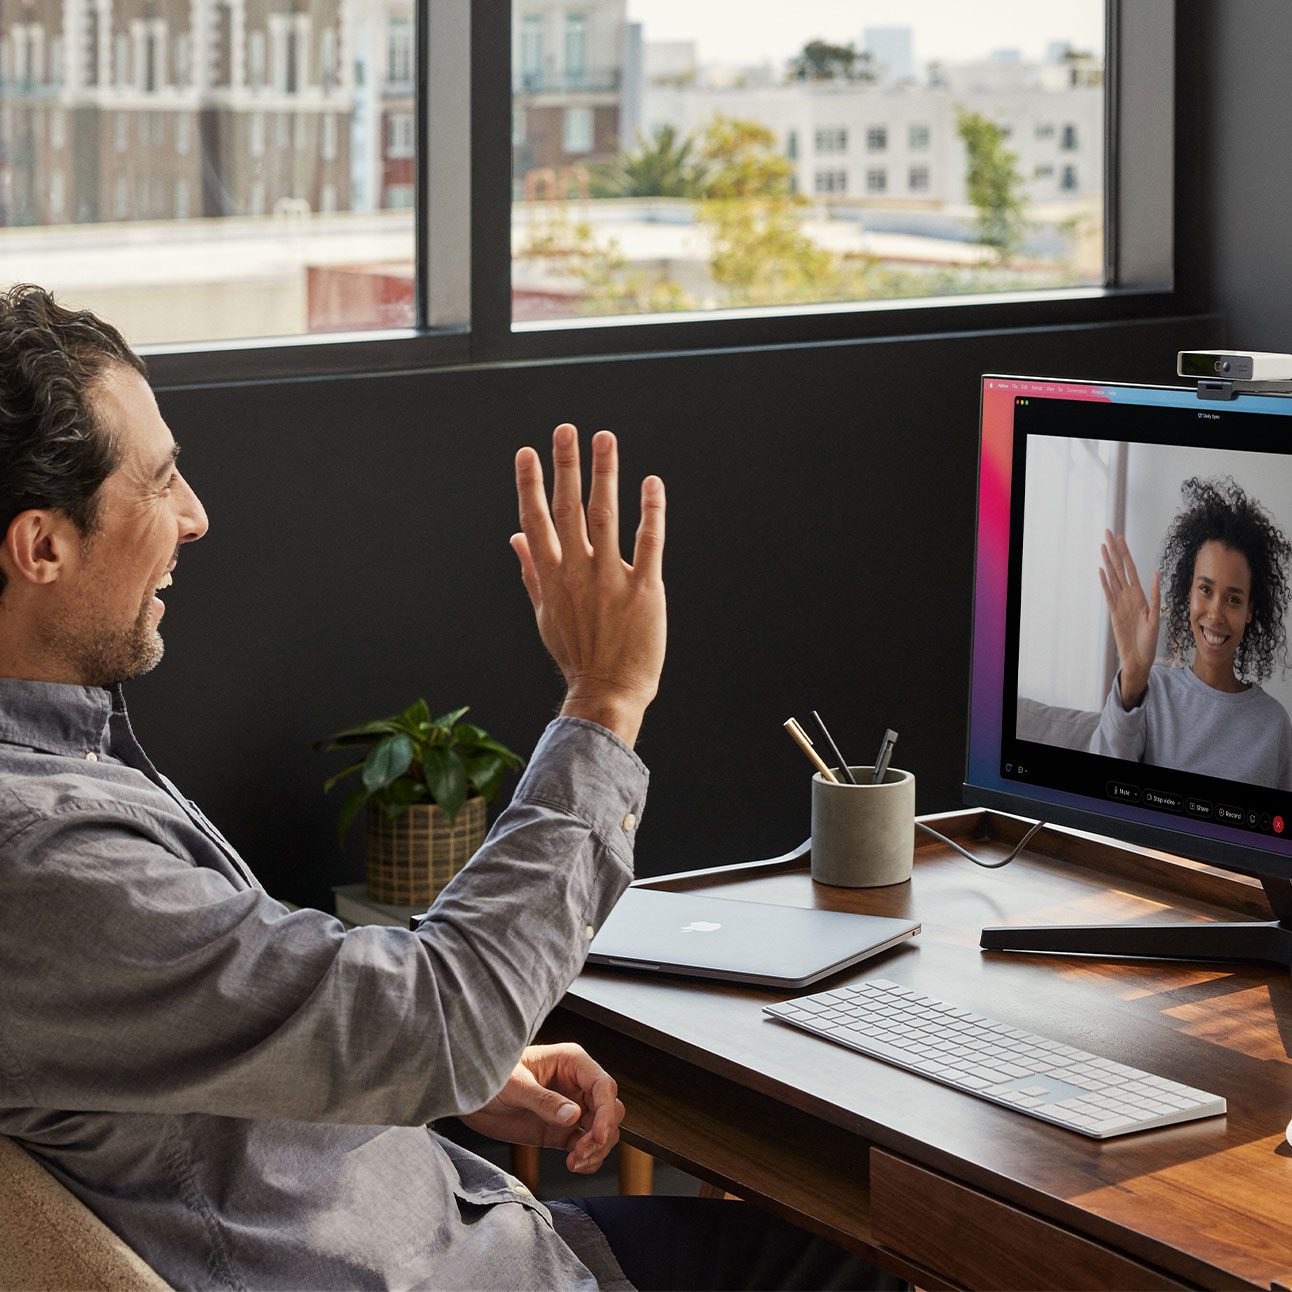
{"x":1044,"y":1078}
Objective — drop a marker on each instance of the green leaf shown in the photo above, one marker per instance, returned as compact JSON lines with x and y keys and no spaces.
{"x":349,"y":810}
{"x":508,"y":757}
{"x":402,"y":793}
{"x":365,"y":733}
{"x":485,"y":774}
{"x":386,"y":762}
{"x":450,"y":720}
{"x":344,"y":772}
{"x":446,"y":775}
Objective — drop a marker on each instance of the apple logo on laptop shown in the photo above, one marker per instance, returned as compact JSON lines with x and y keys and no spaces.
{"x":700,"y":926}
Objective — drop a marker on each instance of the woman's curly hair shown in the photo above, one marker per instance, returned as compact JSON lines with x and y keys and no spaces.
{"x":1219,"y":510}
{"x":54,"y":450}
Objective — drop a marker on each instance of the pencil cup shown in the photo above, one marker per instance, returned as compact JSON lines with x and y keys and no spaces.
{"x":863,"y":835}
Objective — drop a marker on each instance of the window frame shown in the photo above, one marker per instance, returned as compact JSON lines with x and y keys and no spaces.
{"x":463,"y":178}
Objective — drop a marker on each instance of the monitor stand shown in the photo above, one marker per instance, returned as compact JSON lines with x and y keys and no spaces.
{"x":1262,"y":941}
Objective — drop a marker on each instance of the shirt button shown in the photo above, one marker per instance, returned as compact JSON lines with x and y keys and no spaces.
{"x":629,"y":821}
{"x":91,"y":757}
{"x":589,"y":932}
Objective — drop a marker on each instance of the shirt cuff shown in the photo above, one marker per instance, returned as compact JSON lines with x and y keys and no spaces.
{"x":583,"y":769}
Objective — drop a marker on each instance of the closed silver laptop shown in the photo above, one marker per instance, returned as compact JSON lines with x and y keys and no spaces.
{"x":659,"y":931}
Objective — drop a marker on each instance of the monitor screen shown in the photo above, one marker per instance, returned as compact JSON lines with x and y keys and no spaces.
{"x":1135,"y":686}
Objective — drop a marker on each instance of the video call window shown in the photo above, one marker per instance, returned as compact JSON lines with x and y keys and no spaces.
{"x":1218,"y":695}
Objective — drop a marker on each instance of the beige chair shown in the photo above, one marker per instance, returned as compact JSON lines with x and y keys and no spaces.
{"x":52,"y":1241}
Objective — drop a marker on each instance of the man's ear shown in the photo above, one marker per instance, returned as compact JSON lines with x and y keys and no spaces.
{"x":38,"y":545}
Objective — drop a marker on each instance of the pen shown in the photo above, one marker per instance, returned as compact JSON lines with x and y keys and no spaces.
{"x":885,"y":753}
{"x":834,"y":749}
{"x":805,"y":744}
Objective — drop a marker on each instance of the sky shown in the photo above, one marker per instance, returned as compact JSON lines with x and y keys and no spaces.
{"x":752,"y":31}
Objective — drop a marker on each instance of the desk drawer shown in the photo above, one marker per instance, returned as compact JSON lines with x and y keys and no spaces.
{"x":976,"y":1241}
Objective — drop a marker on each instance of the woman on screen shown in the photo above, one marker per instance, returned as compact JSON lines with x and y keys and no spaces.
{"x":1226,"y":569}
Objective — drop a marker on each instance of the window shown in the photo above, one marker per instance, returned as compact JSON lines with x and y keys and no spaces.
{"x":1069,"y":140}
{"x":778,"y":125}
{"x":576,"y":50}
{"x":257,"y":62}
{"x":576,"y":133}
{"x":400,"y":139}
{"x":531,"y":51}
{"x":639,"y":75}
{"x":1068,"y":179}
{"x":1045,"y":130}
{"x":399,"y":54}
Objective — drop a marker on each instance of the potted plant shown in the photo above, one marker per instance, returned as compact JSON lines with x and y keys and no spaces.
{"x":425,"y":784}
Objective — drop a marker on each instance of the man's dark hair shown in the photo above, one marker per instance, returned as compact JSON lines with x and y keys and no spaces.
{"x":1218,"y":510}
{"x":55,"y":451}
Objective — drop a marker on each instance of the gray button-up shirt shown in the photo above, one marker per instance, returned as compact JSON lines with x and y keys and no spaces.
{"x":241,"y":1091}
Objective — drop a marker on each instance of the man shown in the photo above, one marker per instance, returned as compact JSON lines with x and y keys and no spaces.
{"x":243,"y":1092}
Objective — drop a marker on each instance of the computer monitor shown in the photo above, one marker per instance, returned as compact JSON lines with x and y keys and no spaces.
{"x":1200,"y":765}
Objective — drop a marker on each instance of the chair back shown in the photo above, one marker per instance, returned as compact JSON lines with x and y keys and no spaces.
{"x":53,"y":1241}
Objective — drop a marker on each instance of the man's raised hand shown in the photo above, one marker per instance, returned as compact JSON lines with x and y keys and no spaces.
{"x":602,"y":619}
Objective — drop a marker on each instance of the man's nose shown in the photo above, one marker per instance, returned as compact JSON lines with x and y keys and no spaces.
{"x":193,"y":521}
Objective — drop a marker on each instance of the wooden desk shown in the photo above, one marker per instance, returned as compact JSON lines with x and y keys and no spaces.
{"x":954,"y":1191}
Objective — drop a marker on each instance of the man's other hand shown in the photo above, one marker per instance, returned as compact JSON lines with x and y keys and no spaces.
{"x":556,"y":1097}
{"x":602,"y":619}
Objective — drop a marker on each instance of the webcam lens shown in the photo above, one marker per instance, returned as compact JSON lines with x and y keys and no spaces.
{"x":1222,"y":365}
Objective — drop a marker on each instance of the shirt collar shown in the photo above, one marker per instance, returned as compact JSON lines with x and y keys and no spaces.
{"x":57,"y":717}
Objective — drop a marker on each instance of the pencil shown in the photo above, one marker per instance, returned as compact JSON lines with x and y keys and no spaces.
{"x":801,"y":737}
{"x":834,"y":749}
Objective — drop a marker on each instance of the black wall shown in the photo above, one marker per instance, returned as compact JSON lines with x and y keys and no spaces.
{"x":819,"y":555}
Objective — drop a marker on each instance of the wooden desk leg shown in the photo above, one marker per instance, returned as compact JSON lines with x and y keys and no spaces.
{"x":636,"y":1170}
{"x":524,"y":1165}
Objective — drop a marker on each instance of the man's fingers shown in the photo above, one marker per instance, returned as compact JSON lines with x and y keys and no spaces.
{"x":567,"y":492}
{"x":603,"y":500}
{"x":648,"y":550}
{"x":520,"y":545}
{"x":542,"y":544}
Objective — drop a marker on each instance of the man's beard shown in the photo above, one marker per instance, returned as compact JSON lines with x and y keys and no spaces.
{"x":106,"y":656}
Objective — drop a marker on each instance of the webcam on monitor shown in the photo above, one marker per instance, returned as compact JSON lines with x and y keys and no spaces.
{"x":1235,"y":365}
